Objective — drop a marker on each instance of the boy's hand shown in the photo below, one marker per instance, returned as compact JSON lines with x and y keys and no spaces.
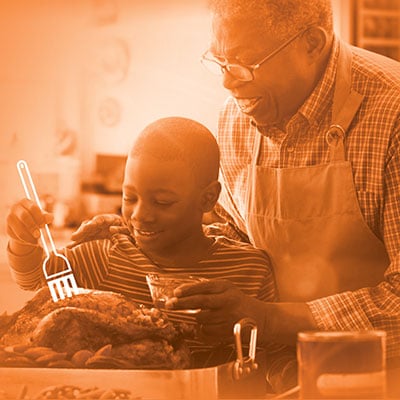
{"x":99,"y":227}
{"x":24,"y":221}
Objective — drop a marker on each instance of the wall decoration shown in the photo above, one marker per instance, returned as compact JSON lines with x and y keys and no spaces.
{"x":109,"y":112}
{"x":112,"y":59}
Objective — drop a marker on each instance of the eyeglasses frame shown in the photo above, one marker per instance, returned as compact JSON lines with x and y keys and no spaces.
{"x":252,"y":67}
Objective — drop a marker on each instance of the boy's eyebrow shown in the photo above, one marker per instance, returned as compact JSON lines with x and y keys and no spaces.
{"x":160,"y":190}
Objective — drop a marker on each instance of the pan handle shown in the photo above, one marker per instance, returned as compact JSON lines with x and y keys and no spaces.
{"x":245,"y":365}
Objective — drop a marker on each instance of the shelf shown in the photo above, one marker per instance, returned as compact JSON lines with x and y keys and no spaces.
{"x":378,"y":27}
{"x":379,"y":42}
{"x":373,"y":12}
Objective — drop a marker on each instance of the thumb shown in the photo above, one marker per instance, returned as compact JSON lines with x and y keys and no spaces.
{"x":48,"y":217}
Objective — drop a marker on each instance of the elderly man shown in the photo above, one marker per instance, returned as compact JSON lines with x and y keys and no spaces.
{"x":310,"y":156}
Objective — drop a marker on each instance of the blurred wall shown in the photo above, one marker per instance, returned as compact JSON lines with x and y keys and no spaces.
{"x":83,"y":77}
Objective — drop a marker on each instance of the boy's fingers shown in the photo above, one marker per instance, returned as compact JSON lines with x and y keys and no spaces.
{"x":26,"y":218}
{"x":48,"y":218}
{"x":206,"y":288}
{"x":203,"y":301}
{"x":19,"y":231}
{"x":28,"y":210}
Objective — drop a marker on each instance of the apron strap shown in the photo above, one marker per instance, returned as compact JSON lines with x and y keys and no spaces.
{"x":346,"y":103}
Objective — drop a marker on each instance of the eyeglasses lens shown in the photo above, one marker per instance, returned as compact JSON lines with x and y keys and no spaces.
{"x":237,"y":71}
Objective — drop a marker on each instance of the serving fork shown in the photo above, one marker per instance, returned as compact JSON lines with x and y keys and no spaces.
{"x":61,"y":283}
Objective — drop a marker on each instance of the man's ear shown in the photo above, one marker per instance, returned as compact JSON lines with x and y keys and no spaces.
{"x":209,"y":196}
{"x":316,"y":41}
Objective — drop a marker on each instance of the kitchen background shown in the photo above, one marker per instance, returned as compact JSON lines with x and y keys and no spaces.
{"x":79,"y":79}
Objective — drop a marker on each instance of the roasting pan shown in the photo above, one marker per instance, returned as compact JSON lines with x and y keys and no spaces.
{"x":241,"y":376}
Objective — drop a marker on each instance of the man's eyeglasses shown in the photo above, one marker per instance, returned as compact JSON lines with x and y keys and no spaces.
{"x":241,"y":72}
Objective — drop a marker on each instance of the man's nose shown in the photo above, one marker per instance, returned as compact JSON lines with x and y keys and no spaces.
{"x":229,"y":81}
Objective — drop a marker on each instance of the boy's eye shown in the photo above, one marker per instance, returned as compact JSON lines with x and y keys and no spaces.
{"x":164,"y":202}
{"x":127,"y":199}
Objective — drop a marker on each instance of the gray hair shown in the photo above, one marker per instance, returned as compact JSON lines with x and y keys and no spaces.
{"x":281,"y":18}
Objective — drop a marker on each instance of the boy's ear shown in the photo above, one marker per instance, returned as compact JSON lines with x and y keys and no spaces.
{"x":209,"y":196}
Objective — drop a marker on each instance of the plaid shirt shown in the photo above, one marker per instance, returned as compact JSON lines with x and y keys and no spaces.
{"x":372,"y":145}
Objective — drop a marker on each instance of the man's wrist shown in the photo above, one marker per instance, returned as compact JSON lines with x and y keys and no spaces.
{"x":280,"y":322}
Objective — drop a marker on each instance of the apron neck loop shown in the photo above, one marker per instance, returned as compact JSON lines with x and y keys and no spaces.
{"x":256,"y":154}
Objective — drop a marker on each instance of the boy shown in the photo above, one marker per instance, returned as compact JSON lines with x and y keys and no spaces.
{"x":170,"y":181}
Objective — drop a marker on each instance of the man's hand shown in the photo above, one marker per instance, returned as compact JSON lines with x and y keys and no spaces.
{"x":222,"y":304}
{"x":99,"y":227}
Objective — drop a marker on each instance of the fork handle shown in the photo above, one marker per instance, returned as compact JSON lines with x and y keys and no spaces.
{"x":31,"y":194}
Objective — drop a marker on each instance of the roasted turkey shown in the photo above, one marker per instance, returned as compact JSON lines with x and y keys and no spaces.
{"x":93,"y":329}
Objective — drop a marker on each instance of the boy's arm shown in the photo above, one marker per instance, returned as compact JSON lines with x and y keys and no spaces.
{"x":25,"y":261}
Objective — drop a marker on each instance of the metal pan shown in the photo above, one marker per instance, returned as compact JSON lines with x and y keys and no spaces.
{"x":242,"y":377}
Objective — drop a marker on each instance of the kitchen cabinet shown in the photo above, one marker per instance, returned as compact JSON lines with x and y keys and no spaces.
{"x":377,"y":26}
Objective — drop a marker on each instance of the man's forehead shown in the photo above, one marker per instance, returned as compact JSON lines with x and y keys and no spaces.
{"x":231,"y":37}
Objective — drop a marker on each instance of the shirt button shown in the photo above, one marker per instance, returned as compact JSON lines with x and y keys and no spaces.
{"x":290,"y":149}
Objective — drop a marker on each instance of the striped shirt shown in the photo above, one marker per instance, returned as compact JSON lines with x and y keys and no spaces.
{"x":372,"y":145}
{"x":117,"y":264}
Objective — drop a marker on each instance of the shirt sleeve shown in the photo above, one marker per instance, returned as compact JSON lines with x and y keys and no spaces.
{"x":88,"y":261}
{"x":375,"y":307}
{"x":26,"y":270}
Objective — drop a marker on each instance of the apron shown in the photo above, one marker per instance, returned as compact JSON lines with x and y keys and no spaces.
{"x":308,"y":218}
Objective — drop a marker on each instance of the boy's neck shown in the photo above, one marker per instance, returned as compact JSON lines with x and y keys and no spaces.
{"x":188,"y":253}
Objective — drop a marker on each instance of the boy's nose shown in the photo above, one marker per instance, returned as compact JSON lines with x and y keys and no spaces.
{"x":142,"y":213}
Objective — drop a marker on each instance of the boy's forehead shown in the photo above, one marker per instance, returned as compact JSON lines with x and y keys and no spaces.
{"x":145,"y":173}
{"x":150,"y":164}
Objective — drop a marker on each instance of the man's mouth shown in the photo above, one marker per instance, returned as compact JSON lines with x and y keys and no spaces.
{"x":247,"y":105}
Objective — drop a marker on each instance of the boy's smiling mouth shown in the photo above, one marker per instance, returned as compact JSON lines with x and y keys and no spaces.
{"x":146,"y":233}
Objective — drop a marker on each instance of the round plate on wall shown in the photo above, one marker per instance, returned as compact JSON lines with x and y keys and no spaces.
{"x":110,"y":111}
{"x":112,"y":59}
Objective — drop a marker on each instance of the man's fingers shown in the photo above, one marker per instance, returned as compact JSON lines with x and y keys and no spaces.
{"x":97,"y":227}
{"x":119,"y":229}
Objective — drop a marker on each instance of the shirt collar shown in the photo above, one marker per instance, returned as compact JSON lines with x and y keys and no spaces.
{"x":321,"y":97}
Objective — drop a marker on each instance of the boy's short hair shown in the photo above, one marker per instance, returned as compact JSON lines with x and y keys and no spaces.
{"x":184,"y":139}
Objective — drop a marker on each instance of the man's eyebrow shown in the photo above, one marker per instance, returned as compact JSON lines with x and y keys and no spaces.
{"x":234,"y":53}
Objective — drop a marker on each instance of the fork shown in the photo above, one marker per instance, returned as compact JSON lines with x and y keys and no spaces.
{"x":60,"y":283}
